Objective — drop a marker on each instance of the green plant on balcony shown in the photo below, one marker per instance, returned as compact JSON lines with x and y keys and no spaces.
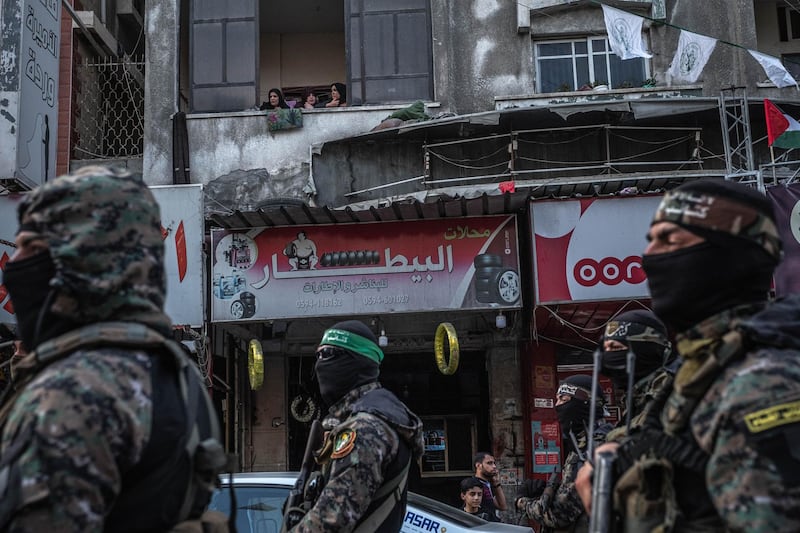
{"x":649,"y":82}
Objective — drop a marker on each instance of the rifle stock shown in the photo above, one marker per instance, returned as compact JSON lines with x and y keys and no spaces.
{"x":601,"y":518}
{"x":293,"y":509}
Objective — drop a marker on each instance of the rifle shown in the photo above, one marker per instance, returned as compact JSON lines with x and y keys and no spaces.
{"x":601,"y":518}
{"x":293,"y":509}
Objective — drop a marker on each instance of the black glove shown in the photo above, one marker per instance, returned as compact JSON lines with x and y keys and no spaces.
{"x":531,"y":488}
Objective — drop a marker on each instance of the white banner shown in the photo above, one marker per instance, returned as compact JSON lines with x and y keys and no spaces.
{"x":625,"y":33}
{"x":691,"y":56}
{"x":775,"y":70}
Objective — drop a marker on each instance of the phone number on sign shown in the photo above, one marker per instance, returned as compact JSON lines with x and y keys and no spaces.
{"x":386,"y":299}
{"x":319,"y":302}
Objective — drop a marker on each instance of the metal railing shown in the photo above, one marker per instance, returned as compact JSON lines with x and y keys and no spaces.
{"x":109,"y":109}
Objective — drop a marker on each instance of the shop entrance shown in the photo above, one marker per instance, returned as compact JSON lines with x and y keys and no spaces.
{"x":454,"y":410}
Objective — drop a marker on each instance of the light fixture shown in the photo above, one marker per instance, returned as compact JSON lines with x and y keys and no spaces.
{"x":500,"y":320}
{"x":383,"y":340}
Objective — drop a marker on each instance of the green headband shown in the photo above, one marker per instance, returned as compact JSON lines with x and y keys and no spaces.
{"x":354,"y":343}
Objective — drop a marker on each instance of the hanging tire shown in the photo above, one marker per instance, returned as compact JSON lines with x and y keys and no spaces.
{"x":447,"y":332}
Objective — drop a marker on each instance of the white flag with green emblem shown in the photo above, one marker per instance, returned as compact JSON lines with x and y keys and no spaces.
{"x":775,"y":70}
{"x":691,"y":56}
{"x":625,"y":33}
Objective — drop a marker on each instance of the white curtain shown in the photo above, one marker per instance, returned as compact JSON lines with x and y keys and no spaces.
{"x":625,"y":33}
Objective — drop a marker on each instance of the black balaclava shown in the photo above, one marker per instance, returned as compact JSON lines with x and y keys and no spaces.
{"x":732,"y":267}
{"x":643,"y":333}
{"x":357,"y":361}
{"x":574,"y":414}
{"x":28,"y":284}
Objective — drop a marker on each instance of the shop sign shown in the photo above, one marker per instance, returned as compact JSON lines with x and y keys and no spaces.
{"x":182,"y":227}
{"x":786,"y":201}
{"x":366,"y":268}
{"x":590,"y":249}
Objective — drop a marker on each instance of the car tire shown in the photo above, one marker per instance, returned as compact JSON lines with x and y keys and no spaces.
{"x":237,"y":309}
{"x":505,"y":286}
{"x":487,"y":260}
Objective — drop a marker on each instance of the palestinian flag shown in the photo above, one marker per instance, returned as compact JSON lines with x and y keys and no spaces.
{"x":782,"y":130}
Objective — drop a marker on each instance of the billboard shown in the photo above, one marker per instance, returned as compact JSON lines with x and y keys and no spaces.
{"x":786,"y":202}
{"x":590,"y":249}
{"x":365,"y":268}
{"x":182,"y":226}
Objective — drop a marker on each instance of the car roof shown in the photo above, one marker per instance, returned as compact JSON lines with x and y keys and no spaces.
{"x":418,"y":501}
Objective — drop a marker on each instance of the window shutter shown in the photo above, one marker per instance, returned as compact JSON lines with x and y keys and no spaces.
{"x":388,"y":51}
{"x":224,"y":55}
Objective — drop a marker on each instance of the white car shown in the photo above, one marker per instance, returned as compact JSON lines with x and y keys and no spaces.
{"x":260,"y":497}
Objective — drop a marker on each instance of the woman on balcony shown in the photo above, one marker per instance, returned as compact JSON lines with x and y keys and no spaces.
{"x":275,"y":101}
{"x":338,"y":95}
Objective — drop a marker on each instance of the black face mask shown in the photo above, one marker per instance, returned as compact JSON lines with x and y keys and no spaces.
{"x":694,"y":283}
{"x":28,"y":284}
{"x":342,"y":373}
{"x":615,"y":366}
{"x":572,"y":416}
{"x":648,"y":357}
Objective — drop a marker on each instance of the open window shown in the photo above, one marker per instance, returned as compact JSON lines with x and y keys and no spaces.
{"x":240,"y":49}
{"x":570,"y":65}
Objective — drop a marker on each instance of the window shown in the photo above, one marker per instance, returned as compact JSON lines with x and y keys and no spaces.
{"x":792,"y":64}
{"x":570,"y":65}
{"x":239,"y":49}
{"x":788,"y":23}
{"x":449,"y":445}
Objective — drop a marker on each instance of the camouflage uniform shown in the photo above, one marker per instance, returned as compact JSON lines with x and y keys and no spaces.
{"x":358,"y":450}
{"x":82,"y":426}
{"x":727,"y":427}
{"x":743,"y":415}
{"x":565,"y":511}
{"x":644,"y":392}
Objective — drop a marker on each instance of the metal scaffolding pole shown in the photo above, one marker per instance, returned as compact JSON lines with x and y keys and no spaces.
{"x":738,"y":143}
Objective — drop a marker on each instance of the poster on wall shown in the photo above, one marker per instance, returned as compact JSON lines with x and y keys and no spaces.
{"x":546,"y":451}
{"x":590,"y":249}
{"x":182,"y":227}
{"x":786,"y":202}
{"x":377,"y":267}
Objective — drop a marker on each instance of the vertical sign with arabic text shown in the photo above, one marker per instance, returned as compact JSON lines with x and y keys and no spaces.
{"x":38,"y":91}
{"x":345,"y":269}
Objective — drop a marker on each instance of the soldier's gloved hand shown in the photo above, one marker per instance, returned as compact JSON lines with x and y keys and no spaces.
{"x":292,"y":517}
{"x":531,"y":488}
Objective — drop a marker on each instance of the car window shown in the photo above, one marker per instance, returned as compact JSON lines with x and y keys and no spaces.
{"x":259,"y":509}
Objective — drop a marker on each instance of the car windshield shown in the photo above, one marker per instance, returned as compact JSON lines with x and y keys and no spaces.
{"x":259,"y":509}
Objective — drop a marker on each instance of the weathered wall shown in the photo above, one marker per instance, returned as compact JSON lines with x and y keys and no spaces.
{"x":478,"y":54}
{"x":505,"y":414}
{"x":10,"y":34}
{"x":221,"y":143}
{"x":160,"y":88}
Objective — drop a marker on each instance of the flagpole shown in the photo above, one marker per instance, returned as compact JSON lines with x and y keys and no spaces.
{"x":772,"y":155}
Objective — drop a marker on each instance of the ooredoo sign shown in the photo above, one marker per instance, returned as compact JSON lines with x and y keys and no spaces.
{"x":590,"y":249}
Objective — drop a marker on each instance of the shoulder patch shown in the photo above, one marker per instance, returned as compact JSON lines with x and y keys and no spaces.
{"x":772,"y":417}
{"x":344,"y":443}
